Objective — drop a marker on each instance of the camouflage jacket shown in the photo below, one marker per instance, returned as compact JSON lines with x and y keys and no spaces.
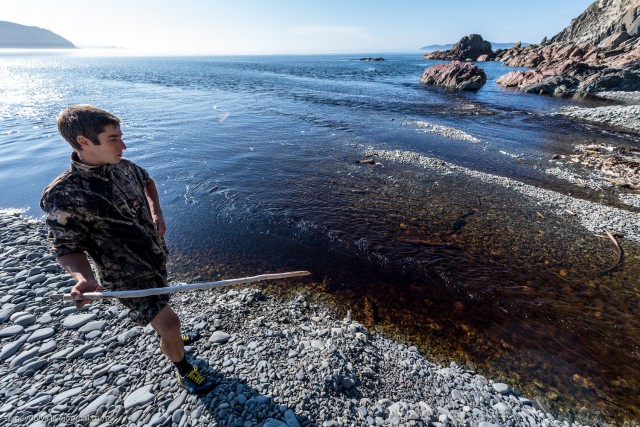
{"x":103,"y":211}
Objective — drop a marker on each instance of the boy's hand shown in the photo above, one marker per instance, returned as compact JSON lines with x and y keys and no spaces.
{"x":158,"y":220}
{"x":81,"y":287}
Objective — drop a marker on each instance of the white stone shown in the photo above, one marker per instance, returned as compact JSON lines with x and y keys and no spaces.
{"x":41,"y":334}
{"x":501,"y":387}
{"x":61,"y":397}
{"x":105,"y":399}
{"x":74,"y":321}
{"x":141,"y":396}
{"x":219,"y":337}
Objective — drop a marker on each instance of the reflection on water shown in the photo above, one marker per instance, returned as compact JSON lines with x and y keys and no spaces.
{"x":468,"y":271}
{"x":254,"y":158}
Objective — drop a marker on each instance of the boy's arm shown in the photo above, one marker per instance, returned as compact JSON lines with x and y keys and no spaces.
{"x":151,"y":192}
{"x":77,"y":265}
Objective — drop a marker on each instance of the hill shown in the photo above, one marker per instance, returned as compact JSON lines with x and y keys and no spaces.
{"x":21,"y":36}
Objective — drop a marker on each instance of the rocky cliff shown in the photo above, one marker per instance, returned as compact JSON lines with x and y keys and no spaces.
{"x":599,"y":51}
{"x":24,"y":37}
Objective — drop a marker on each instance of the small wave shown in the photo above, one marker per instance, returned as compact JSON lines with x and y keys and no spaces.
{"x":446,"y":131}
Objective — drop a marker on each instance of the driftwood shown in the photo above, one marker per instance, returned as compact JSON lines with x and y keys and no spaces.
{"x":180,"y":288}
{"x":618,"y":250}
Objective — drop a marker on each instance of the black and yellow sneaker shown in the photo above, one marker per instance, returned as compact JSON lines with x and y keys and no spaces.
{"x":189,"y":338}
{"x":195,"y":382}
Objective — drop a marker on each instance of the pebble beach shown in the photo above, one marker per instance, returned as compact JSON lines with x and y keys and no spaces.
{"x":279,"y":361}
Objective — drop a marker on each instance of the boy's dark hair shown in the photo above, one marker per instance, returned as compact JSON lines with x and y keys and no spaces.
{"x":85,"y":120}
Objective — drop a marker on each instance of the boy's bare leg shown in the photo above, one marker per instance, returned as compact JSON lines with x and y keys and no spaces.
{"x":167,"y":325}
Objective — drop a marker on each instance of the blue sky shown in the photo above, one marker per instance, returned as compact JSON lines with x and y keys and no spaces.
{"x":290,"y":26}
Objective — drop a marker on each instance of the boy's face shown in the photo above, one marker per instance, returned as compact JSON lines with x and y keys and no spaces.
{"x":108,"y":152}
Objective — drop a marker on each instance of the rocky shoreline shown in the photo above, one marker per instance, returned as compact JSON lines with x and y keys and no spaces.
{"x":280,"y":361}
{"x":626,"y":116}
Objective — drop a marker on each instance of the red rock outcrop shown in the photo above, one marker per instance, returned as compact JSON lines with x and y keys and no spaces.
{"x":599,"y":51}
{"x":454,"y":75}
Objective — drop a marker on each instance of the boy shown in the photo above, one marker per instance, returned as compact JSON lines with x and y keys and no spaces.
{"x":108,"y":208}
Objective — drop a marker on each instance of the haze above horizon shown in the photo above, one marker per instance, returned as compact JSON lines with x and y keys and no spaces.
{"x":288,"y":26}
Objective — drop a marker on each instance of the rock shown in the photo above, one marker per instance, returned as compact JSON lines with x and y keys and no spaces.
{"x":96,"y":325}
{"x":32,"y":366}
{"x":219,"y":337}
{"x":41,"y":334}
{"x":11,"y":331}
{"x":501,"y":388}
{"x":75,"y":321}
{"x":274,"y":423}
{"x":454,"y":75}
{"x":105,"y":399}
{"x":128,"y":336}
{"x":140,"y":396}
{"x":23,"y":357}
{"x":291,"y":419}
{"x":11,"y":348}
{"x":598,"y":51}
{"x":469,"y":48}
{"x":61,"y":397}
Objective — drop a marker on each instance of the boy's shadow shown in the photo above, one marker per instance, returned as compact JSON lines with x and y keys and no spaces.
{"x":234,"y":400}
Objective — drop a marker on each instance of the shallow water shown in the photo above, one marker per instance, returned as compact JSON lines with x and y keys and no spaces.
{"x":255,"y":161}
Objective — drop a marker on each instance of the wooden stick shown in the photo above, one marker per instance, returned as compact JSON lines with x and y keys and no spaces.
{"x":618,"y":250}
{"x":180,"y":288}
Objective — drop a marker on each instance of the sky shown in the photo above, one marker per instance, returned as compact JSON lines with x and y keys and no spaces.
{"x":290,"y":26}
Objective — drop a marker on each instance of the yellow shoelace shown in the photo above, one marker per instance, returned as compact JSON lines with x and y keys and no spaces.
{"x":195,"y":376}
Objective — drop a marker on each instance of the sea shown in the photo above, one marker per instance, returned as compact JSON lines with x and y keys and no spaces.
{"x":261,"y":165}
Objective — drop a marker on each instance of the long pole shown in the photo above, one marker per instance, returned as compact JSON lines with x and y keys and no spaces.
{"x":180,"y":288}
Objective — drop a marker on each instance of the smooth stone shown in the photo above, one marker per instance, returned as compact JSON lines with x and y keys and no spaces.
{"x":291,"y":419}
{"x":93,"y":352}
{"x":78,"y":351}
{"x":141,"y":396}
{"x":11,"y":331}
{"x":61,"y":397}
{"x":77,"y":320}
{"x":26,"y":320}
{"x":118,"y":368}
{"x":501,"y":407}
{"x":41,"y":334}
{"x":501,"y":387}
{"x":11,"y":348}
{"x":105,"y":399}
{"x":48,"y":346}
{"x":45,"y":318}
{"x":61,"y":354}
{"x":31,"y":367}
{"x":96,"y":325}
{"x":23,"y":357}
{"x":36,"y":279}
{"x":129,"y":335}
{"x":274,"y":423}
{"x":219,"y":337}
{"x":93,"y":334}
{"x":177,"y":416}
{"x":177,"y":402}
{"x":5,"y":313}
{"x":38,"y":401}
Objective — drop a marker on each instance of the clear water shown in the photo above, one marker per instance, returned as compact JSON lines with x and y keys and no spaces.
{"x":255,"y":157}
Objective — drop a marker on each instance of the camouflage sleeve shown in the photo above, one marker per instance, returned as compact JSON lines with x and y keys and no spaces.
{"x":141,"y":173}
{"x":66,"y":230}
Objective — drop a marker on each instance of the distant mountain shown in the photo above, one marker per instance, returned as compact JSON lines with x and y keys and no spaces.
{"x":494,"y":46}
{"x":24,"y":37}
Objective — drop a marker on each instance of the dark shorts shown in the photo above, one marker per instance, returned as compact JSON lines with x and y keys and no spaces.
{"x":143,"y":310}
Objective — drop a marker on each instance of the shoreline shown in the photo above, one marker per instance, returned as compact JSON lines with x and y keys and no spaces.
{"x":281,"y":362}
{"x":625,"y":116}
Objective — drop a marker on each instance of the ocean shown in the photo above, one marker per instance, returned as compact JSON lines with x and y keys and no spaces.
{"x":256,"y":161}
